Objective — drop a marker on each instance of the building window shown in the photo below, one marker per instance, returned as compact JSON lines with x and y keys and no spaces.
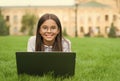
{"x":114,"y":17}
{"x":15,"y":30}
{"x":7,"y":18}
{"x":106,"y":17}
{"x":90,"y":30}
{"x":81,"y":29}
{"x":107,"y":29}
{"x":15,"y":19}
{"x":97,"y":30}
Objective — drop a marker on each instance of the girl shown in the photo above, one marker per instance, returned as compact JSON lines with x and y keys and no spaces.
{"x":48,"y":36}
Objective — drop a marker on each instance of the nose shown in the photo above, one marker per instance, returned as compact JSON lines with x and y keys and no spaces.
{"x":49,"y":30}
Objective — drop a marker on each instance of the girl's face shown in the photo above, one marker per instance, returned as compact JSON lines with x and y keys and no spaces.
{"x":49,"y":31}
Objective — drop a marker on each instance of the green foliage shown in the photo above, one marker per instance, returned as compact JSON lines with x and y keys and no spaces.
{"x":4,"y":29}
{"x":112,"y":32}
{"x":64,"y":32}
{"x":97,"y":59}
{"x":28,"y":22}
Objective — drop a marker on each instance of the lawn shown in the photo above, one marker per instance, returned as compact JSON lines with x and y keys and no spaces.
{"x":98,"y":59}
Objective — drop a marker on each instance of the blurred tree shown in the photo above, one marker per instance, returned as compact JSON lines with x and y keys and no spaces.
{"x":28,"y":22}
{"x":4,"y":29}
{"x":112,"y":32}
{"x":65,"y":32}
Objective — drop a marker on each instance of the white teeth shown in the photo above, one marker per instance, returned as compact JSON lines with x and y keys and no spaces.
{"x":48,"y":35}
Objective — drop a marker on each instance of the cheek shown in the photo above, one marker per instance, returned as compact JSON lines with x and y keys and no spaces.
{"x":58,"y":31}
{"x":41,"y":32}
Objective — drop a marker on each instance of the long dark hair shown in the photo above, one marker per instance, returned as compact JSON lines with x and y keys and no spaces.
{"x":57,"y":46}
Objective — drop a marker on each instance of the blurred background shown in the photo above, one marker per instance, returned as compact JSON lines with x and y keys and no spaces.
{"x":87,"y":23}
{"x":79,"y":18}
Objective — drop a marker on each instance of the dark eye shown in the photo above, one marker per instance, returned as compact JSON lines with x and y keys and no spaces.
{"x":53,"y":27}
{"x":44,"y":27}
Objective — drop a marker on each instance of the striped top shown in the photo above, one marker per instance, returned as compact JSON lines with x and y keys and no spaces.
{"x":31,"y":45}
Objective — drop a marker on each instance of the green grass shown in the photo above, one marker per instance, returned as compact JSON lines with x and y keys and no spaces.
{"x":98,"y":59}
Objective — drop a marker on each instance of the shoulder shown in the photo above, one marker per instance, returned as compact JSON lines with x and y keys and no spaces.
{"x":31,"y":44}
{"x":32,"y":38}
{"x":66,"y":41}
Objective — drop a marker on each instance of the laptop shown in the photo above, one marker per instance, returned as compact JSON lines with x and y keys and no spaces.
{"x":41,"y":63}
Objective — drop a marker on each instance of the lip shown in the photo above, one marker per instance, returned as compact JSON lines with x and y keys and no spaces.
{"x":48,"y":36}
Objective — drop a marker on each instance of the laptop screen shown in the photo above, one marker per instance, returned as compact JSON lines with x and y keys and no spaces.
{"x":40,"y":63}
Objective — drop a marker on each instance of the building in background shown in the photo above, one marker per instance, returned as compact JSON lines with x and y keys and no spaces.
{"x":94,"y":17}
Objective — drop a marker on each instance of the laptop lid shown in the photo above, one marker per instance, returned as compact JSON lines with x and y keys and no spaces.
{"x":40,"y":63}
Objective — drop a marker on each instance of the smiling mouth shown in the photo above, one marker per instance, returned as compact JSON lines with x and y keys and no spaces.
{"x":48,"y":36}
